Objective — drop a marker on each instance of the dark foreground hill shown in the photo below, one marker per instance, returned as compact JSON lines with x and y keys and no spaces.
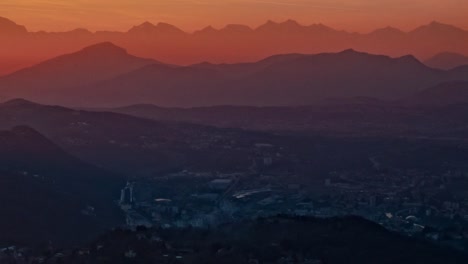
{"x":46,"y":195}
{"x":271,"y":240}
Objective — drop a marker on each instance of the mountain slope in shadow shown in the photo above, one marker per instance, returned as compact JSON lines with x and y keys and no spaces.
{"x":48,"y":195}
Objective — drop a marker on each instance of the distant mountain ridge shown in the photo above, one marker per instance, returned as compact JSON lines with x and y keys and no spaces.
{"x":443,"y":94}
{"x":9,"y":27}
{"x":233,"y":43}
{"x":104,"y":75}
{"x":91,"y":64}
{"x":447,"y":60}
{"x":148,"y":28}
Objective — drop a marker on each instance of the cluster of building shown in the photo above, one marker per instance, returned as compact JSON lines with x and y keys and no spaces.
{"x":410,"y":202}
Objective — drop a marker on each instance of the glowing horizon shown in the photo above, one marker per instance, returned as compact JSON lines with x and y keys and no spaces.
{"x":190,"y":15}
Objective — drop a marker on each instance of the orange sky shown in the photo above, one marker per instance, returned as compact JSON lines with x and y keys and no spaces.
{"x":352,"y":15}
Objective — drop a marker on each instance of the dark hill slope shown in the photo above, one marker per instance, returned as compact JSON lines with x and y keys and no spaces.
{"x":47,"y":195}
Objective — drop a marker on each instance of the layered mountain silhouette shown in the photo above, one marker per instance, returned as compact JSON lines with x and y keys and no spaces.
{"x":130,"y":145}
{"x":443,"y":94}
{"x":448,"y":32}
{"x":141,"y":147}
{"x":10,"y":28}
{"x":231,"y":44}
{"x":104,"y":75}
{"x":48,"y":195}
{"x":147,"y":29}
{"x":447,"y":61}
{"x":91,"y":64}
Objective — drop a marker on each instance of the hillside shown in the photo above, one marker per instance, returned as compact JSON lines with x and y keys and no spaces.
{"x":131,"y":145}
{"x":271,"y":240}
{"x":47,"y":194}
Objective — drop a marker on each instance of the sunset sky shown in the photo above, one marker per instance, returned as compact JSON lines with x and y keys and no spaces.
{"x":352,"y":15}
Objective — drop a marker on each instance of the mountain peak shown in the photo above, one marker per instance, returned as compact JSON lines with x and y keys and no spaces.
{"x":10,"y":27}
{"x":207,"y":31}
{"x":143,"y":27}
{"x":145,"y":24}
{"x":19,"y":102}
{"x":83,"y":31}
{"x":436,"y":24}
{"x":409,"y":59}
{"x":387,"y":30}
{"x":149,"y":28}
{"x":104,"y":48}
{"x":209,"y":28}
{"x":236,"y":28}
{"x":287,"y":26}
{"x":269,"y":25}
{"x":438,"y":27}
{"x":349,"y":51}
{"x":168,"y":27}
{"x":291,"y":22}
{"x":352,"y":53}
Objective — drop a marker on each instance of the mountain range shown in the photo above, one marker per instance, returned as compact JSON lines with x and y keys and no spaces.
{"x":224,"y":139}
{"x":450,"y":93}
{"x":438,"y":112}
{"x":94,"y":110}
{"x":105,"y":75}
{"x":231,"y":44}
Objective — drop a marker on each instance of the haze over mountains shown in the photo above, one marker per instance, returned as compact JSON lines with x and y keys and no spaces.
{"x":443,"y":94}
{"x":130,"y":145}
{"x":447,"y":61}
{"x":91,"y":64}
{"x":231,"y":44}
{"x":104,"y":75}
{"x":341,"y":135}
{"x":244,"y":143}
{"x":439,"y":112}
